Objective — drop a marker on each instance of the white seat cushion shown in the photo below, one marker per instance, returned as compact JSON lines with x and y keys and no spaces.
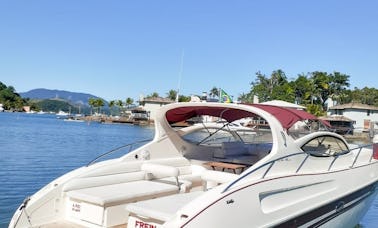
{"x":218,"y":177}
{"x":115,"y":194}
{"x":160,"y":171}
{"x":162,"y":209}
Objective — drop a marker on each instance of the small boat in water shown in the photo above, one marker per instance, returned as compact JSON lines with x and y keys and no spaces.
{"x":74,"y":119}
{"x":201,"y":176}
{"x":62,"y":113}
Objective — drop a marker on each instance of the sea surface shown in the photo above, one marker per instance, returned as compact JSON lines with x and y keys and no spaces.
{"x":36,"y":149}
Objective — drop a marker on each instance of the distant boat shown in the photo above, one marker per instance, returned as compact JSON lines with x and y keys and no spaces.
{"x":62,"y":113}
{"x":73,"y":119}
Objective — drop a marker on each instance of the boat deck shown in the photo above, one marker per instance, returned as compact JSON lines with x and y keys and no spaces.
{"x":62,"y":224}
{"x":66,"y":224}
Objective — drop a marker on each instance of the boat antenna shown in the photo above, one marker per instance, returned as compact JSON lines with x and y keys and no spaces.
{"x":180,"y":75}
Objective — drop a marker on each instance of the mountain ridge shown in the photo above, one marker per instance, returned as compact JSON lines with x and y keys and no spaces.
{"x":73,"y":97}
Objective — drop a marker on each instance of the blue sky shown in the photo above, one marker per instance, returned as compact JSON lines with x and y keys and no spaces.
{"x":118,"y":49}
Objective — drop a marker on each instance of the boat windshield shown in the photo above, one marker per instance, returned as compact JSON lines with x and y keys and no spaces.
{"x":240,"y":142}
{"x":305,"y":127}
{"x":212,"y":127}
{"x":325,"y":146}
{"x":214,"y":134}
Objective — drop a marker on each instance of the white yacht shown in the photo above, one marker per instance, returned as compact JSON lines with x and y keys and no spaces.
{"x":195,"y":176}
{"x":62,"y":113}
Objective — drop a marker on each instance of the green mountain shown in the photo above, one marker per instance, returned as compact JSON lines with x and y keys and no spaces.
{"x":60,"y":100}
{"x":73,"y":98}
{"x":55,"y":105}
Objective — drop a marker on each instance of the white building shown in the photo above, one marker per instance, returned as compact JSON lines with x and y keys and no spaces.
{"x":152,"y":104}
{"x":1,"y":108}
{"x":284,"y":104}
{"x":362,"y":114}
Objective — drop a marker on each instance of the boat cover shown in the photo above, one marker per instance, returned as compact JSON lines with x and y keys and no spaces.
{"x":286,"y":116}
{"x":184,"y":113}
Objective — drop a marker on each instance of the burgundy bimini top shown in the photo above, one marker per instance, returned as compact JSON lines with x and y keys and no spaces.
{"x":286,"y":116}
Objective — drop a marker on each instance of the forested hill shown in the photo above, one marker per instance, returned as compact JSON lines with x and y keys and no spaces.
{"x":72,"y":97}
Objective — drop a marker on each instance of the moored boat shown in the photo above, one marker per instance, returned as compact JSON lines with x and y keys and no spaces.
{"x":209,"y":175}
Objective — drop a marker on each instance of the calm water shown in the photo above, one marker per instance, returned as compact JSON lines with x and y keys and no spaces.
{"x":35,"y":149}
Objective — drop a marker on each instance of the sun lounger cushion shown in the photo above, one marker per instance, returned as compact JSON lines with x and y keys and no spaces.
{"x":162,"y":209}
{"x":218,"y":177}
{"x":116,"y":194}
{"x":89,"y":182}
{"x":187,"y":172}
{"x":157,"y":171}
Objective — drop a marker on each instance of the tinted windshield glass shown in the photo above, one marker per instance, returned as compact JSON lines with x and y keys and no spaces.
{"x":325,"y":146}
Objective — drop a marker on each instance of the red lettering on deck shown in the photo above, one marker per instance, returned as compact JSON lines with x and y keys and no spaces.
{"x":140,"y":224}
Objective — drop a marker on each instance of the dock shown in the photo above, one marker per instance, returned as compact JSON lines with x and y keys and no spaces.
{"x":114,"y":120}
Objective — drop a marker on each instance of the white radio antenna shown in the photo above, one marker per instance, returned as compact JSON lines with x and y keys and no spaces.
{"x":180,"y":75}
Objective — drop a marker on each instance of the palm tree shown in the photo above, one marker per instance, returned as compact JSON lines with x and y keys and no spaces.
{"x":153,"y":95}
{"x":119,"y":103}
{"x":96,"y":103}
{"x":111,"y":105}
{"x":172,"y":94}
{"x":129,"y":101}
{"x":92,"y":103}
{"x":99,"y":103}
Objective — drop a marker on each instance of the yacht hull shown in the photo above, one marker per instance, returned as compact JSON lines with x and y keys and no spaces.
{"x":312,"y":200}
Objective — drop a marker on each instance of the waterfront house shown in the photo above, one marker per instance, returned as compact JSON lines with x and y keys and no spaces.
{"x":363,"y":115}
{"x":152,"y":104}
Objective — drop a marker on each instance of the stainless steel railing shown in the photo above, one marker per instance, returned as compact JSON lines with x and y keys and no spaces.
{"x":270,"y":164}
{"x":130,"y":147}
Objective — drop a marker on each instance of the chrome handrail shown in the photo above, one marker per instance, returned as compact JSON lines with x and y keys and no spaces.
{"x":271,"y":163}
{"x":355,"y":159}
{"x":117,"y":149}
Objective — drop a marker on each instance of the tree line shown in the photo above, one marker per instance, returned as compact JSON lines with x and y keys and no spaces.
{"x":10,"y":99}
{"x":311,"y":90}
{"x":172,"y":95}
{"x":98,"y":103}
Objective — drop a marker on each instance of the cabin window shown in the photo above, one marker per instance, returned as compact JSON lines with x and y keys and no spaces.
{"x":325,"y":146}
{"x":368,"y":113}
